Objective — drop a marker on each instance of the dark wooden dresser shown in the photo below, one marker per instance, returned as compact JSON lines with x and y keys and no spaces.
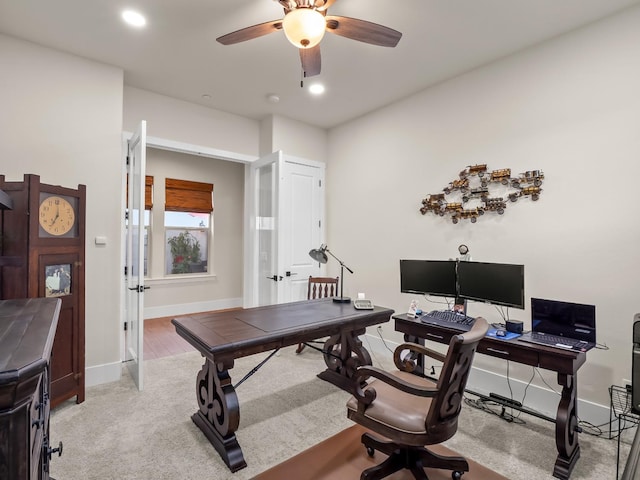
{"x":27,"y":330}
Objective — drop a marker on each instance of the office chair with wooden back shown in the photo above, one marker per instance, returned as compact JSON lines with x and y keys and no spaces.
{"x":320,"y":287}
{"x":412,"y":411}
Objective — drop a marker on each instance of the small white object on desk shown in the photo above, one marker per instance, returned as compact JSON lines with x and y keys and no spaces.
{"x":363,"y":304}
{"x":412,"y":309}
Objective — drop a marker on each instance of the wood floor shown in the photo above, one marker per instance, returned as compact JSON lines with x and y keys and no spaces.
{"x":342,"y":457}
{"x":161,"y":340}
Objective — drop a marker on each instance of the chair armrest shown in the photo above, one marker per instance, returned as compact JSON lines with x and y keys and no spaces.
{"x":408,"y":364}
{"x":367,"y":395}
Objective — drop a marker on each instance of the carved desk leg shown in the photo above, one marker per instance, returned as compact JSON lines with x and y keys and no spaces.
{"x":566,"y":424}
{"x":218,"y":415}
{"x":344,"y":353}
{"x":418,"y":359}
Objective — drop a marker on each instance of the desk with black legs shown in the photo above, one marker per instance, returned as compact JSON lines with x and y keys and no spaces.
{"x":564,"y":363}
{"x":224,"y":336}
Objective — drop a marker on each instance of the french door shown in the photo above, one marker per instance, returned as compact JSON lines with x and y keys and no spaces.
{"x":134,"y":271}
{"x":287,"y":220}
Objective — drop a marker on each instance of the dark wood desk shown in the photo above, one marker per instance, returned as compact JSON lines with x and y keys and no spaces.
{"x":27,"y":330}
{"x":564,"y":363}
{"x":224,"y":336}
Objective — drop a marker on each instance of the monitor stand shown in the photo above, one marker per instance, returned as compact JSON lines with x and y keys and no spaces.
{"x":460,"y":306}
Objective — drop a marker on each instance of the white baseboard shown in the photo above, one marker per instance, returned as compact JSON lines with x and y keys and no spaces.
{"x":538,"y":399}
{"x":99,"y":374}
{"x":187,"y":308}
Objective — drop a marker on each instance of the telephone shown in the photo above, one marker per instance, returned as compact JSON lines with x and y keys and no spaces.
{"x":362,"y":304}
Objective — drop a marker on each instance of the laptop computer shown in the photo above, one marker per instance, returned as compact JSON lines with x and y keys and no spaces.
{"x":565,"y":325}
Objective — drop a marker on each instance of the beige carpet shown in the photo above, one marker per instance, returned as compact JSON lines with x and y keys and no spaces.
{"x":119,"y":433}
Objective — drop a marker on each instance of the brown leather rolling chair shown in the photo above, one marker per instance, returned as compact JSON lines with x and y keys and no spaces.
{"x":320,"y":287}
{"x":413,"y":411}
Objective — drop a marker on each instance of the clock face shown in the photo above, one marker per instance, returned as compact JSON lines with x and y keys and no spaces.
{"x":56,"y":215}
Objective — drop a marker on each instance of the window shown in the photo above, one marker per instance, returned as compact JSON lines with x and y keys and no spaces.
{"x":187,"y":220}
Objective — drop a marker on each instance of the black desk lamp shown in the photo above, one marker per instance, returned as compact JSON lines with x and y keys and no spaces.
{"x":320,"y":255}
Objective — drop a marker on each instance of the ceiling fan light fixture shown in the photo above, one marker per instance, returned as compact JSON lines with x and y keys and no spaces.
{"x":304,"y":27}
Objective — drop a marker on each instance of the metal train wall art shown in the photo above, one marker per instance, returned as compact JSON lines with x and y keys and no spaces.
{"x":478,"y":191}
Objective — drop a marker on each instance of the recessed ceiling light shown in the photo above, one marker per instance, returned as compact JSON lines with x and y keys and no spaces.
{"x":134,"y":19}
{"x":273,"y":98}
{"x":206,"y":96}
{"x":316,"y":89}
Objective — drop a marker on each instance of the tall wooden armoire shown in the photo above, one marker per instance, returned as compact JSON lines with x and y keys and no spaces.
{"x":42,"y":254}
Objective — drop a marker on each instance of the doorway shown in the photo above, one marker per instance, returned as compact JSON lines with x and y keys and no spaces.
{"x":295,"y":260}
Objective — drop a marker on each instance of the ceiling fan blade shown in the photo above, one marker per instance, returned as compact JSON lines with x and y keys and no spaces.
{"x":310,"y":58}
{"x":322,"y":5}
{"x":363,"y":31}
{"x":249,"y":33}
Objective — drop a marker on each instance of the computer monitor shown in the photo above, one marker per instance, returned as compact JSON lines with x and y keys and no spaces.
{"x":495,"y":283}
{"x":428,"y":277}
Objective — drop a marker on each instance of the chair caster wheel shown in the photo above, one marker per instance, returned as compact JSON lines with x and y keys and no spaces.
{"x":456,"y":475}
{"x":370,"y":451}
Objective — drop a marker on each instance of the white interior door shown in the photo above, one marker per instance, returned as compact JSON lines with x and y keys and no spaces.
{"x":302,"y":194}
{"x":287,"y":220}
{"x":134,"y":272}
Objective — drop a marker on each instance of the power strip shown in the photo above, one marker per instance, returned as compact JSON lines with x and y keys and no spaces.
{"x":505,"y":400}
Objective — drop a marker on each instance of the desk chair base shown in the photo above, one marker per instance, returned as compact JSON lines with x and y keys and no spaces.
{"x":415,"y":459}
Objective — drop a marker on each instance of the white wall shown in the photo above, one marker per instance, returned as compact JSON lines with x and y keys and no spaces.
{"x":61,"y":118}
{"x":221,"y":287}
{"x":570,"y":107}
{"x":293,"y":138}
{"x":180,"y":121}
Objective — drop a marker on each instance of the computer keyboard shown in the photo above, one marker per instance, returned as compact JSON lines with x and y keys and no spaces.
{"x":555,"y":340}
{"x":448,"y":318}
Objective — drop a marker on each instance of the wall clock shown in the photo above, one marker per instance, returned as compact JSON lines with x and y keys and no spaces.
{"x":57,"y":215}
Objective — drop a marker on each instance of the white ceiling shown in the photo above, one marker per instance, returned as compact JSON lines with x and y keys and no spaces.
{"x":177,"y":55}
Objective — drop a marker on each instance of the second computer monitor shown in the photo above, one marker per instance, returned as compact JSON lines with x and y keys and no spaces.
{"x":428,"y":277}
{"x":495,"y":283}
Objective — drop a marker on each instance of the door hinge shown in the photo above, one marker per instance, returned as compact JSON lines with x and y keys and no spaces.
{"x":320,"y":183}
{"x":128,"y":160}
{"x":319,"y":223}
{"x":125,"y":271}
{"x":125,"y":326}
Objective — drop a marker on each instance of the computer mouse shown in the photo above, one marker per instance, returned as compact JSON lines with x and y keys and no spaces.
{"x":501,"y":333}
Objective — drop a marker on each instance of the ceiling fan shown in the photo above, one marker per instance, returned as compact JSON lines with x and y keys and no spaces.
{"x":304,"y":24}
